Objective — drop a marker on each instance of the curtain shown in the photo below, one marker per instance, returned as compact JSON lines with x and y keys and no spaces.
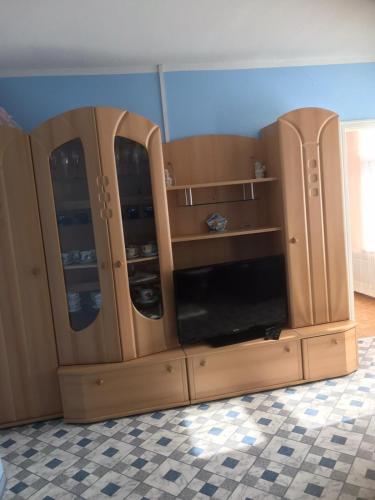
{"x":362,"y":177}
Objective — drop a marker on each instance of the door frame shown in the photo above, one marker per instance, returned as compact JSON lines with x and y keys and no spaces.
{"x":347,"y":126}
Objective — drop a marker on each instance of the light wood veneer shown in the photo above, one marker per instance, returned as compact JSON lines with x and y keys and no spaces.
{"x":114,"y":390}
{"x":28,"y":362}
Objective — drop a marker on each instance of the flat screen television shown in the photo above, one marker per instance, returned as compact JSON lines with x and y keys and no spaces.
{"x":231,"y":299}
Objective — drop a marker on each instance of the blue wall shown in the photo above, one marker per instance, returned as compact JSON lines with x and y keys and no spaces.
{"x":32,"y":100}
{"x":200,"y":102}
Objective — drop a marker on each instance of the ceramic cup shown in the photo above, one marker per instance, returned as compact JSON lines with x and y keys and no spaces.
{"x":149,"y":249}
{"x":74,"y":301}
{"x":87,"y":256}
{"x":96,"y":298}
{"x":132,"y":212}
{"x":75,"y":255}
{"x":66,"y":258}
{"x":146,"y":294}
{"x":148,"y":211}
{"x":132,"y":251}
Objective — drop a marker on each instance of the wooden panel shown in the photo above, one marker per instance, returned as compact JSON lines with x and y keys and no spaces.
{"x":310,"y":153}
{"x":241,"y":369}
{"x":149,"y":335}
{"x":206,"y":252}
{"x":335,"y":247}
{"x":100,"y":342}
{"x":214,"y":162}
{"x":296,"y":237}
{"x":101,"y":392}
{"x":325,"y":329}
{"x":330,"y":355}
{"x":28,"y":362}
{"x":211,"y":158}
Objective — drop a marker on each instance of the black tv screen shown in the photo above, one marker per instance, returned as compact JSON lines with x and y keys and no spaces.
{"x":229,"y":298}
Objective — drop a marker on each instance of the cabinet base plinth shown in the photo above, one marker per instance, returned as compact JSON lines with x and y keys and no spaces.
{"x":195,"y":374}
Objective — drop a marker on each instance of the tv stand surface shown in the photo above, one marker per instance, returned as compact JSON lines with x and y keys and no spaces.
{"x":266,"y":333}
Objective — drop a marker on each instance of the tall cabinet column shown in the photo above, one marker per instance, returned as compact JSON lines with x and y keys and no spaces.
{"x":131,"y":156}
{"x":74,"y":213}
{"x":314,"y":216}
{"x":28,"y":363}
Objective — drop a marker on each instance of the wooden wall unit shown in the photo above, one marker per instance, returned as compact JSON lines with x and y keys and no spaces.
{"x":100,"y":184}
{"x":28,"y":363}
{"x":309,"y":152}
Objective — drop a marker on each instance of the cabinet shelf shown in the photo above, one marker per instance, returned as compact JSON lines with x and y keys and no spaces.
{"x":71,"y":267}
{"x":222,"y":183}
{"x":224,"y":234}
{"x":89,"y":286}
{"x":142,"y":259}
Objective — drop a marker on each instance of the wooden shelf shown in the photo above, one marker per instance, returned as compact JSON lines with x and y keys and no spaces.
{"x":224,"y":234}
{"x":142,"y":259}
{"x":84,"y":287}
{"x":70,"y":267}
{"x":222,"y":183}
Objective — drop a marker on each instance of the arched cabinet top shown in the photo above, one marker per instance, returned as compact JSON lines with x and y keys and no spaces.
{"x":308,"y":123}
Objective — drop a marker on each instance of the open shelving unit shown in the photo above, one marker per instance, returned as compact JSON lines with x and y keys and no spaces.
{"x":215,"y":174}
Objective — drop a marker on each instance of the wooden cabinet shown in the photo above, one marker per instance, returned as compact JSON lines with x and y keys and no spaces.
{"x":330,"y":355}
{"x":28,"y":362}
{"x":131,"y":155}
{"x":101,"y":190}
{"x":256,"y":365}
{"x":74,"y":215}
{"x":113,"y":390}
{"x":307,"y":142}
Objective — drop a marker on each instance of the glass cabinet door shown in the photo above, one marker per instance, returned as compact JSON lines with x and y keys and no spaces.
{"x":135,"y":191}
{"x":76,"y":234}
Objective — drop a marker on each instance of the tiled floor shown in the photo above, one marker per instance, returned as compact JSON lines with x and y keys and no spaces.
{"x":306,"y":442}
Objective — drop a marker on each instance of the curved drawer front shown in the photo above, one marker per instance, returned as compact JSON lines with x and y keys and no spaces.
{"x":330,"y":355}
{"x":124,"y":390}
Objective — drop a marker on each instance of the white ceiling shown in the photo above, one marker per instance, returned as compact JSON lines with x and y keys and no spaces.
{"x":115,"y":36}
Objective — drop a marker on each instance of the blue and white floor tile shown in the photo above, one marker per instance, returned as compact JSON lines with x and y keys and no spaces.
{"x":312,"y":441}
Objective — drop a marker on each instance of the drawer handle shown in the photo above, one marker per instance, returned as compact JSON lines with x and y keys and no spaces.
{"x":99,"y":381}
{"x":287,"y":348}
{"x":203,"y":362}
{"x":293,"y":240}
{"x":118,"y":264}
{"x":335,"y":341}
{"x":170,"y":369}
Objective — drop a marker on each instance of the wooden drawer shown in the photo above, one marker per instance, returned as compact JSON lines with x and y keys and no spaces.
{"x":330,"y":355}
{"x":234,"y":371}
{"x":99,"y":392}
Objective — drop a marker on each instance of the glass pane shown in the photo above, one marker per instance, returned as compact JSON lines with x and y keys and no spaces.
{"x":134,"y":180}
{"x":77,"y":244}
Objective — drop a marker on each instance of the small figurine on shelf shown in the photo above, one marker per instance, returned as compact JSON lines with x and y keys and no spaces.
{"x":168,"y":175}
{"x":217,"y":222}
{"x":259,"y":169}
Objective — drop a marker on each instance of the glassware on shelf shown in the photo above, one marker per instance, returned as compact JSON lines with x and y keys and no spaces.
{"x":168,"y":175}
{"x":135,"y":188}
{"x":76,"y":234}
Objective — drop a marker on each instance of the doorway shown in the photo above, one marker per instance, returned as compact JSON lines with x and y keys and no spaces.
{"x":359,"y":179}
